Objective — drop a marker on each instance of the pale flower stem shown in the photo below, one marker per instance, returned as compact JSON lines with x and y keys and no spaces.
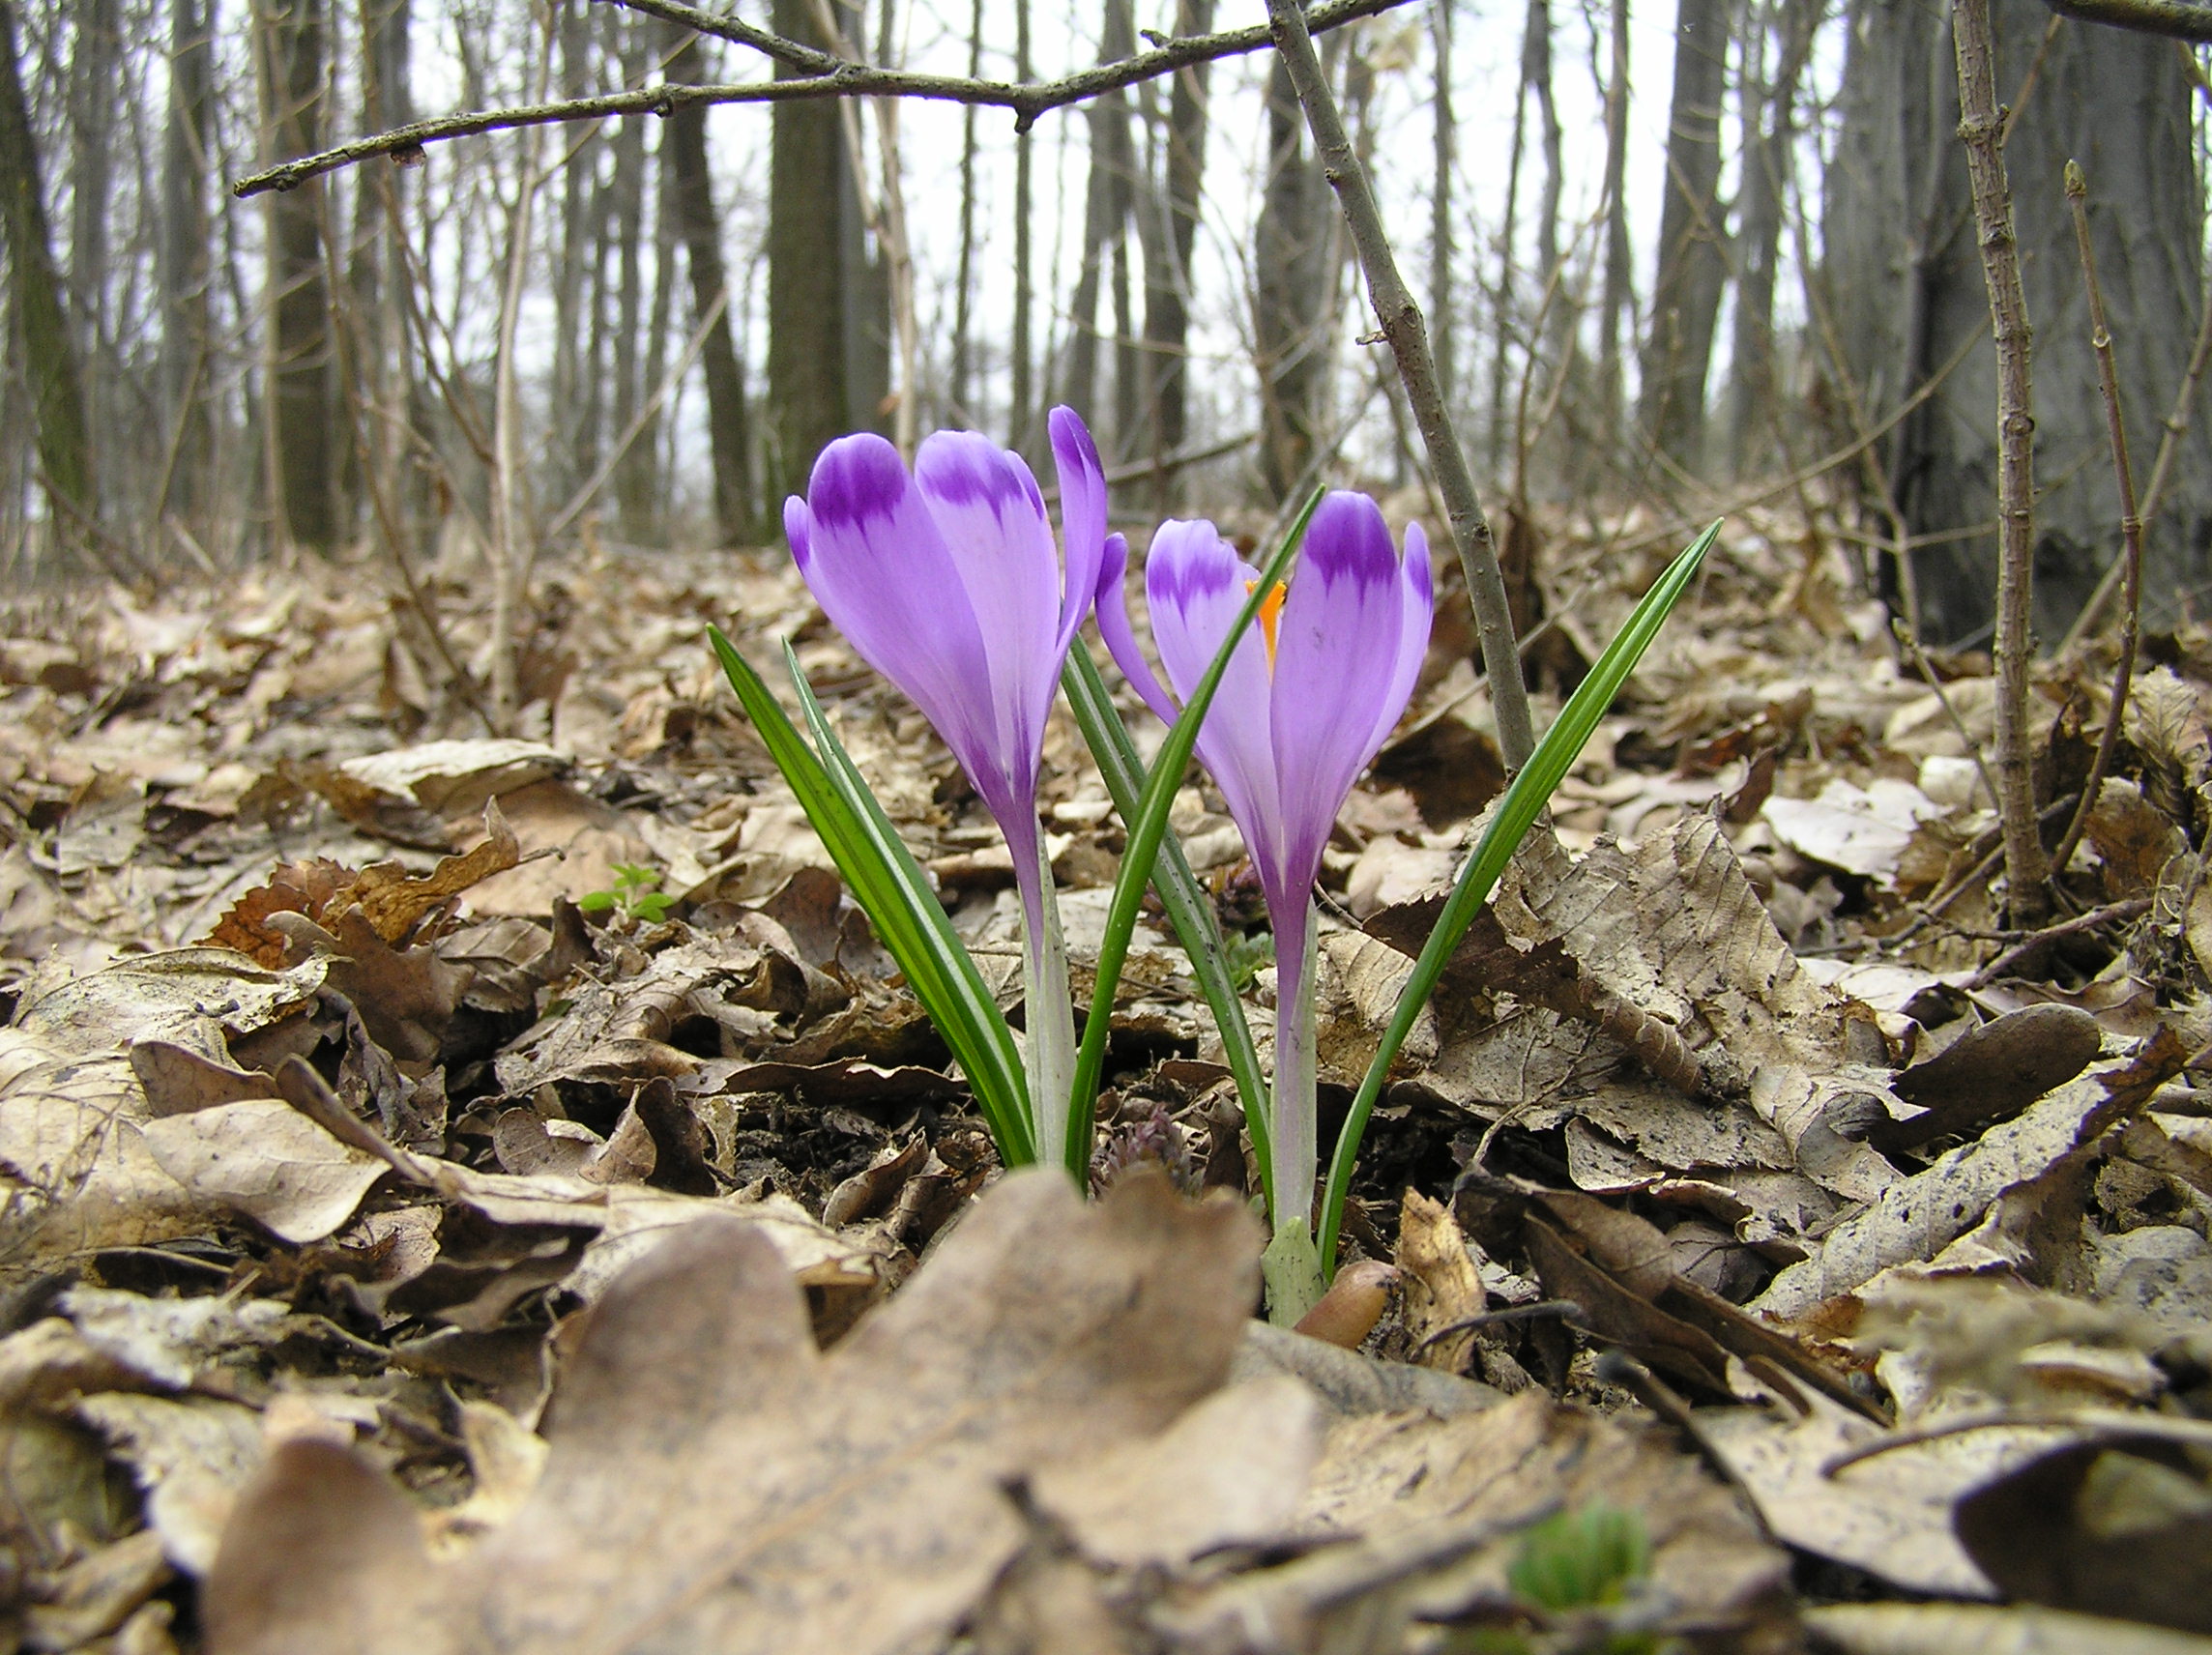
{"x":1049,"y":1049}
{"x":1293,"y":1128}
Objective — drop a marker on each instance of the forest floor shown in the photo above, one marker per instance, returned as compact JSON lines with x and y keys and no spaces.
{"x":474,"y":1252}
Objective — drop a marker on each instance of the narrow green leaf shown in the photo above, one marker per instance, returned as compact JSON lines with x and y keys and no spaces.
{"x":1516,"y":813}
{"x":1188,"y":909}
{"x":1148,"y":828}
{"x":969,"y":1004}
{"x":914,"y":932}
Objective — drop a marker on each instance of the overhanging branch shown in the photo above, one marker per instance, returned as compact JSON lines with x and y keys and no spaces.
{"x":2180,"y":19}
{"x":821,"y":76}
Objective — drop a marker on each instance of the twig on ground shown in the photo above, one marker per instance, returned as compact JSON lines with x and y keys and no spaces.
{"x":1400,"y":319}
{"x":1980,"y":126}
{"x":2176,"y":426}
{"x":2134,"y":908}
{"x":828,"y":77}
{"x":2131,"y":524}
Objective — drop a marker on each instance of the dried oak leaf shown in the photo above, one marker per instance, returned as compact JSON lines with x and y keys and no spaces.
{"x":715,"y":1483}
{"x":391,"y":898}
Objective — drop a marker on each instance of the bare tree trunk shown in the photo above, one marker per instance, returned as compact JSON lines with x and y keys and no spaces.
{"x":1769,"y":135}
{"x":807,"y":283}
{"x":1105,"y":217}
{"x":1693,"y":267}
{"x":694,"y":201}
{"x":1127,"y":348}
{"x":571,"y":336}
{"x":94,"y":67}
{"x":1536,"y":70}
{"x":185,"y":265}
{"x":1291,"y":268}
{"x":1981,"y":125}
{"x":965,"y":294}
{"x":1022,"y":392}
{"x":299,"y":404}
{"x":1167,"y":293}
{"x":1617,"y":301}
{"x":376,"y":269}
{"x":1443,"y":139}
{"x":634,"y":472}
{"x":648,"y":449}
{"x":1503,"y":323}
{"x":1908,"y":293}
{"x":49,"y":362}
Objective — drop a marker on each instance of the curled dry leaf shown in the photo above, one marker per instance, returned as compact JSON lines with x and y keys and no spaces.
{"x":1978,"y":1629}
{"x":853,"y":1501}
{"x":1918,"y":1217}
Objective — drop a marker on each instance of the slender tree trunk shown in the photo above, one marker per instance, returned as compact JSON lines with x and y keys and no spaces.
{"x":1693,"y":267}
{"x":49,"y":361}
{"x":184,"y":266}
{"x":1615,"y":304}
{"x":1021,"y":393}
{"x":1288,"y":311}
{"x":962,"y":399}
{"x":1105,"y":218}
{"x":634,"y":472}
{"x":694,"y":201}
{"x":571,"y":336}
{"x":1769,"y":133}
{"x":1559,"y":328}
{"x":94,"y":67}
{"x":299,"y":404}
{"x":1503,"y":323}
{"x":1167,"y":295}
{"x":375,"y":270}
{"x":1981,"y":125}
{"x":807,"y":176}
{"x":1444,"y":328}
{"x":648,"y":449}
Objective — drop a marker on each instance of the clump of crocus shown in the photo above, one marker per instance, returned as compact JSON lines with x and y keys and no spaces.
{"x":1306,"y":702}
{"x":947,"y":582}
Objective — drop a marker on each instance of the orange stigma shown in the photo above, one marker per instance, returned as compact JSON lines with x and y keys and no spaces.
{"x":1271,"y":615}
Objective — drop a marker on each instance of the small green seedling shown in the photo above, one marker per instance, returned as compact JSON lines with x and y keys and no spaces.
{"x":1582,"y":1558}
{"x":633,"y":895}
{"x":1587,"y":1559}
{"x":1246,"y":953}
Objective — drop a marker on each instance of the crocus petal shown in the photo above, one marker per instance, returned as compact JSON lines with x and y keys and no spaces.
{"x":1417,"y":590}
{"x":1336,"y":660}
{"x":991,"y":517}
{"x":1195,"y":586}
{"x":1121,"y":637}
{"x":1082,"y":516}
{"x":873,"y":556}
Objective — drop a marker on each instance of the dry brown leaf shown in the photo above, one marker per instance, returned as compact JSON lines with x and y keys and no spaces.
{"x":853,"y":1501}
{"x":264,"y":1158}
{"x":1917,"y":1218}
{"x":1889,"y":1515}
{"x":1442,"y":1284}
{"x":1431,"y":1508}
{"x":1976,"y":1628}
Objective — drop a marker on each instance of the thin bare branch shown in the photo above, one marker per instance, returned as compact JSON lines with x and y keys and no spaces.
{"x":1980,"y":124}
{"x":1400,"y":319}
{"x":1028,"y":100}
{"x":2131,"y":524}
{"x":2178,"y":19}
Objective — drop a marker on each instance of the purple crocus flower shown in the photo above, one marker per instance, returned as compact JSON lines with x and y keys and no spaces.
{"x":1309,"y":697}
{"x":948,"y":584}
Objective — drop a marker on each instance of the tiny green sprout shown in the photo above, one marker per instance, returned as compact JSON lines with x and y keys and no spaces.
{"x":1245,"y":952}
{"x":633,"y":895}
{"x":1578,"y":1560}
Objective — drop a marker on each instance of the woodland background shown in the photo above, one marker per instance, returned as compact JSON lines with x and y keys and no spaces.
{"x":641,"y":329}
{"x":453,"y":1119}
